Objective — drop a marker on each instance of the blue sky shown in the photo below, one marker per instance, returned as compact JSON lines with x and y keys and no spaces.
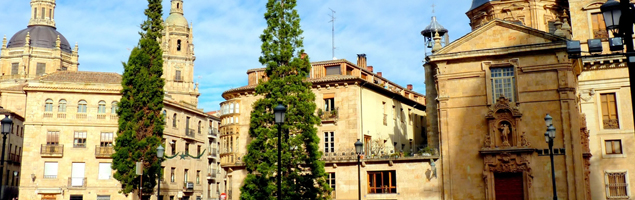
{"x":226,"y":34}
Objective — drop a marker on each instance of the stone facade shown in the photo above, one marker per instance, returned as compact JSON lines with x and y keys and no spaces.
{"x":354,"y":104}
{"x":12,"y":156}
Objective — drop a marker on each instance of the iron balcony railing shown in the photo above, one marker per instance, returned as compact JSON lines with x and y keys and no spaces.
{"x":52,"y":150}
{"x":103,"y":152}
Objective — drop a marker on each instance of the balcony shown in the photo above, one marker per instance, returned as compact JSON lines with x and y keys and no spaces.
{"x":48,"y":115}
{"x":78,"y":183}
{"x":190,"y":132}
{"x":213,"y":132}
{"x":178,"y":78}
{"x":81,"y":116}
{"x":379,"y":155}
{"x":15,"y":158}
{"x":188,"y":187}
{"x":213,"y":152}
{"x":328,"y":116}
{"x":52,"y":150}
{"x":103,"y":152}
{"x":101,"y":116}
{"x":61,"y":115}
{"x":212,"y":174}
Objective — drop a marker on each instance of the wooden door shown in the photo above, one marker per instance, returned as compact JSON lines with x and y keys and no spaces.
{"x":508,"y":186}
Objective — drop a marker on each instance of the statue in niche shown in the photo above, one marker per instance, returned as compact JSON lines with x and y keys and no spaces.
{"x":505,"y":133}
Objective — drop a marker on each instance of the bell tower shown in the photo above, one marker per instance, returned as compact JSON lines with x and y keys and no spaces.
{"x":178,"y":57}
{"x":42,"y":13}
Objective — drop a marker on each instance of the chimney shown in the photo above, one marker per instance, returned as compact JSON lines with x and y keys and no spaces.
{"x":409,"y":86}
{"x":303,"y":55}
{"x":370,"y":68}
{"x":361,"y":61}
{"x":379,"y":74}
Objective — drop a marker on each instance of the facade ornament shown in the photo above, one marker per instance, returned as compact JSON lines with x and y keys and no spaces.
{"x":559,"y":31}
{"x":590,"y":94}
{"x":27,"y":39}
{"x":488,"y":141}
{"x":505,"y":132}
{"x":523,"y":140}
{"x":76,"y":48}
{"x":437,"y":42}
{"x":58,"y":42}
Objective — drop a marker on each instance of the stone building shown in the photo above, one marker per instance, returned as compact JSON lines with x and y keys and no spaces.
{"x":70,"y":122}
{"x":355,"y":103}
{"x":12,"y":155}
{"x":605,"y":97}
{"x":214,"y":171}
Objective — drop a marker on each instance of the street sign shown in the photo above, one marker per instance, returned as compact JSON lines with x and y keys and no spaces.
{"x":223,"y":196}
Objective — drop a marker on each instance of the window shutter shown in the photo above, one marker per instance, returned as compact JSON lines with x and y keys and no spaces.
{"x":104,"y":171}
{"x":333,"y":70}
{"x":50,"y":169}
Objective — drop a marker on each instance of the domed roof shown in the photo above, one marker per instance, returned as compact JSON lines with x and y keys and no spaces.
{"x":176,"y":19}
{"x":477,"y":3}
{"x":41,"y":36}
{"x":433,"y":28}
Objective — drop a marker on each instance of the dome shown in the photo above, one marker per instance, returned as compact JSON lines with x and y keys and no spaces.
{"x":176,"y":19}
{"x":433,"y":28}
{"x":477,"y":3}
{"x":41,"y":36}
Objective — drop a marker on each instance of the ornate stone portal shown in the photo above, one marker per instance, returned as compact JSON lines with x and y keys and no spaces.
{"x":505,"y":149}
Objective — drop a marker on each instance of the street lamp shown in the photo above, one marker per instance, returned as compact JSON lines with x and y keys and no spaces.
{"x":7,"y":124}
{"x":160,"y":151}
{"x":549,"y":136}
{"x":279,"y":112}
{"x":359,"y":148}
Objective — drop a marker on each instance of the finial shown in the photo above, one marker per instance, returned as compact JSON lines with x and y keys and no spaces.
{"x":27,"y":39}
{"x":437,"y":42}
{"x":566,"y":28}
{"x":4,"y":42}
{"x":559,"y":31}
{"x":76,"y":48}
{"x":58,"y":42}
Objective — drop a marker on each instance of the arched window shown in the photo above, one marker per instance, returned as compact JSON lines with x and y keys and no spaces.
{"x":178,"y":45}
{"x":101,"y":108}
{"x":114,"y":107}
{"x":62,"y":106}
{"x":43,"y":12}
{"x":48,"y":105}
{"x":199,"y":127}
{"x":165,"y":116}
{"x":35,"y":13}
{"x":50,"y":13}
{"x":174,"y":120}
{"x":178,"y":5}
{"x":81,"y":106}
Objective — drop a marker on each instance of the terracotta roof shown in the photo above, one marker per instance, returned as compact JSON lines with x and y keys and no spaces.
{"x":83,"y":77}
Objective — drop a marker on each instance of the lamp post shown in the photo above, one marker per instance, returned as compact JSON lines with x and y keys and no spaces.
{"x":279,"y":112}
{"x":7,"y":124}
{"x":549,"y":136}
{"x":160,"y":151}
{"x":359,"y":148}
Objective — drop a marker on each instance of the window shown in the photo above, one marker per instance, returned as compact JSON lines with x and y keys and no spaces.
{"x":598,"y":26}
{"x":333,"y":70}
{"x":178,"y":45}
{"x":187,"y":148}
{"x":50,"y":13}
{"x":198,"y":177}
{"x":80,"y":139}
{"x":349,"y":71}
{"x":616,"y":185}
{"x":237,"y":108}
{"x":609,"y":111}
{"x":174,"y":120}
{"x":172,"y":174}
{"x":503,"y":83}
{"x":48,"y":105}
{"x":52,"y":138}
{"x":177,"y":76}
{"x":43,"y":12}
{"x":329,"y":142}
{"x":173,"y":147}
{"x":14,"y":68}
{"x":50,"y":170}
{"x":41,"y":69}
{"x":106,"y":140}
{"x":35,"y":13}
{"x":552,"y":26}
{"x":231,"y":108}
{"x":62,"y":106}
{"x":103,"y":197}
{"x":114,"y":107}
{"x":77,"y":197}
{"x":331,"y":181}
{"x":199,"y":127}
{"x":329,"y":104}
{"x":382,"y":182}
{"x":613,"y":146}
{"x":185,"y":178}
{"x":198,"y":150}
{"x":187,"y":124}
{"x":101,"y":107}
{"x":81,"y":106}
{"x":105,"y":171}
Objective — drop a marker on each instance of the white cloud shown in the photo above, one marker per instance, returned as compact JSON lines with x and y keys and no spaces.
{"x":226,"y":34}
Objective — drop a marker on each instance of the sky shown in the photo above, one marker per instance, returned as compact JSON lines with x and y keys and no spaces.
{"x":226,"y":34}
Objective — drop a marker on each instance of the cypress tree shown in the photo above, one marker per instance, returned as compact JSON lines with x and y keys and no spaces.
{"x":303,"y":175}
{"x":140,"y":120}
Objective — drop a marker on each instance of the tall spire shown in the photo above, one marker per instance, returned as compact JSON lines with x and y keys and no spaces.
{"x":42,"y":13}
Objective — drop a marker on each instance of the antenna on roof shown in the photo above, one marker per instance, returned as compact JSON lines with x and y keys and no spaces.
{"x":332,"y":31}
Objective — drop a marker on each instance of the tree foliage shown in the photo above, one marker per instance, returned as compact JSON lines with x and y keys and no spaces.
{"x":140,"y":120}
{"x":303,"y":175}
